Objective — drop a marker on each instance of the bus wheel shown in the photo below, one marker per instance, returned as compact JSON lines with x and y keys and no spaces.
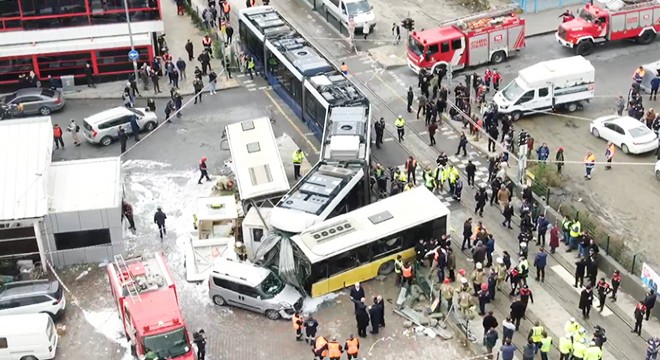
{"x":646,"y":38}
{"x":386,"y":268}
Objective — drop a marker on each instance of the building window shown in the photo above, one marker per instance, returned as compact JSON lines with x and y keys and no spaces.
{"x":63,"y":64}
{"x":55,"y":22}
{"x":52,"y":7}
{"x":79,"y":239}
{"x":116,"y":60}
{"x":11,"y":68}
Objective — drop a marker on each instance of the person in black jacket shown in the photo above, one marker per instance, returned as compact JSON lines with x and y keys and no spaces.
{"x":310,"y":329}
{"x":470,"y":170}
{"x":580,"y":268}
{"x":200,"y":341}
{"x":159,"y":219}
{"x":362,"y":317}
{"x":356,"y":294}
{"x":123,"y":138}
{"x":517,"y":312}
{"x":649,"y":302}
{"x":410,"y":98}
{"x":480,"y":197}
{"x":375,"y":316}
{"x":586,"y":301}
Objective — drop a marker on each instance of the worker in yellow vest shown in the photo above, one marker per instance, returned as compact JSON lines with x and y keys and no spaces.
{"x":589,"y":164}
{"x":352,"y":347}
{"x":565,"y":347}
{"x":593,"y":352}
{"x":429,"y":179}
{"x":400,"y":124}
{"x":298,"y":157}
{"x":609,"y":155}
{"x":409,"y":186}
{"x":546,"y":344}
{"x":334,"y":349}
{"x":579,"y":349}
{"x":536,"y":334}
{"x":572,"y":327}
{"x":398,"y":268}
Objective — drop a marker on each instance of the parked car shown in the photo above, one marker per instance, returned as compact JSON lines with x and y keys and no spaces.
{"x":253,"y":288}
{"x":31,"y":297}
{"x":32,"y":101}
{"x":103,"y":128}
{"x":359,"y":11}
{"x":626,"y":132}
{"x":27,"y":337}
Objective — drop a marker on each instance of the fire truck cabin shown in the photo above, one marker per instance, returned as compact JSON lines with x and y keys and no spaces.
{"x":488,"y":37}
{"x":147,"y":303}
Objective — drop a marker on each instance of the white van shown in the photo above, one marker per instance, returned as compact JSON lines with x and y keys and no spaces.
{"x":27,"y":337}
{"x":360,"y":11}
{"x":566,"y":83}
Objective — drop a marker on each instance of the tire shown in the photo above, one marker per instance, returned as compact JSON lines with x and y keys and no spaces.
{"x":386,"y":268}
{"x":150,"y":126}
{"x":133,"y":351}
{"x":646,"y":37}
{"x":498,"y":57}
{"x":516,"y":115}
{"x":571,"y":107}
{"x":273,"y":314}
{"x":584,"y":48}
{"x":625,"y":149}
{"x":595,"y":132}
{"x":657,"y":175}
{"x":29,"y":357}
{"x":106,"y":141}
{"x":219,"y":300}
{"x":44,"y":110}
{"x":439,"y":66}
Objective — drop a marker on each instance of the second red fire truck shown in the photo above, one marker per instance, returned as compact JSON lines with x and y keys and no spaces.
{"x":611,"y":20}
{"x":488,"y":37}
{"x":147,"y":302}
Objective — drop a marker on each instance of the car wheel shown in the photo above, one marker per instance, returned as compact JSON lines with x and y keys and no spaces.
{"x":595,"y":132}
{"x":571,"y":107}
{"x":219,"y":300}
{"x":625,"y":149}
{"x":44,"y":110}
{"x":272,"y":314}
{"x":498,"y":57}
{"x":30,"y":357}
{"x":106,"y":141}
{"x":150,"y":126}
{"x":516,"y":115}
{"x":52,"y":316}
{"x":386,"y":268}
{"x":657,"y":175}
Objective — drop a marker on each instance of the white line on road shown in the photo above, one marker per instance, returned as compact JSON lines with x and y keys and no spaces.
{"x":262,"y":87}
{"x":570,"y":280}
{"x":388,"y":139}
{"x":309,"y":134}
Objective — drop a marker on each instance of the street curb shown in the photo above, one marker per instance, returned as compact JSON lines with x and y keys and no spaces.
{"x":161,"y":95}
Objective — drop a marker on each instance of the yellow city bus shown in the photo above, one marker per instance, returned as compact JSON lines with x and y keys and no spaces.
{"x":364,"y":243}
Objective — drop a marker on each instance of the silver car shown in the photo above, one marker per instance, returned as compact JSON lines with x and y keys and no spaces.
{"x":32,"y":101}
{"x":253,"y":288}
{"x":103,"y":128}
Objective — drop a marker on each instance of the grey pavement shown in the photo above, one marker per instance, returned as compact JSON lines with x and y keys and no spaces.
{"x":385,"y":89}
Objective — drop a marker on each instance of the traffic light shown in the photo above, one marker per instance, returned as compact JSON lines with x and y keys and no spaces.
{"x":408,"y":24}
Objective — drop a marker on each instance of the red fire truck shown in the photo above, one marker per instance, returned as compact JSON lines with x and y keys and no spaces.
{"x":490,"y":36}
{"x":148,"y":305}
{"x":611,"y":20}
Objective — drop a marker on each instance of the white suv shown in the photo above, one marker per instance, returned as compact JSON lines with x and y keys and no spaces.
{"x":103,"y":128}
{"x":31,"y":297}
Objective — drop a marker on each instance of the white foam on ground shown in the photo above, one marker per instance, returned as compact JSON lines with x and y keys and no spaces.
{"x":144,"y":164}
{"x":311,"y":305}
{"x":107,"y":323}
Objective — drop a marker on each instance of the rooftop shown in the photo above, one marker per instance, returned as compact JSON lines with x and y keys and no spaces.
{"x":88,"y":184}
{"x":26,"y":146}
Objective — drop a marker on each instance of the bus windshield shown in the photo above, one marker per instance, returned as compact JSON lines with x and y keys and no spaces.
{"x":358,"y":7}
{"x":513,"y":91}
{"x":415,"y":46}
{"x":168,"y":345}
{"x":272,"y":285}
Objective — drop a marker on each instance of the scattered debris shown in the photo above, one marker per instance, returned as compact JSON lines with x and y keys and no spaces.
{"x":84,"y":273}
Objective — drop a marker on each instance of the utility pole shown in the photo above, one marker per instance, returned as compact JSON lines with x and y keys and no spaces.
{"x":130,"y":36}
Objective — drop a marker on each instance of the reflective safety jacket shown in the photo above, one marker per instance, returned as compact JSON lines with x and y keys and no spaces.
{"x":399,"y":123}
{"x":298,"y":157}
{"x":579,"y":350}
{"x":398,"y":265}
{"x":565,"y":345}
{"x":537,"y":334}
{"x":407,"y":271}
{"x":576,"y":229}
{"x":429,"y":180}
{"x":297,"y":322}
{"x":593,"y":353}
{"x":334,"y":350}
{"x":546,"y":343}
{"x":352,"y":346}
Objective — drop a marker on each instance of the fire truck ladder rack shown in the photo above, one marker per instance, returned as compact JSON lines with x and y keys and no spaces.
{"x":619,"y":5}
{"x":125,"y":278}
{"x":494,"y":13}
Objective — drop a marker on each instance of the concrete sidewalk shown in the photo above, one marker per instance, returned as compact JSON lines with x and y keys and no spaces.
{"x":178,"y":29}
{"x":542,"y":23}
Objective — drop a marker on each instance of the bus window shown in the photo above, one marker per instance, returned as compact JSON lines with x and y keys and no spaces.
{"x":384,"y":247}
{"x":341,"y":263}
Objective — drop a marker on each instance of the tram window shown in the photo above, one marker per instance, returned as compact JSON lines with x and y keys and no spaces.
{"x":384,"y":247}
{"x":254,"y":45}
{"x":314,"y":109}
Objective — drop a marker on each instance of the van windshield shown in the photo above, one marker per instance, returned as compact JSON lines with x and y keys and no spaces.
{"x":358,"y":7}
{"x":168,"y":345}
{"x":272,"y":285}
{"x":513,"y":91}
{"x":415,"y":46}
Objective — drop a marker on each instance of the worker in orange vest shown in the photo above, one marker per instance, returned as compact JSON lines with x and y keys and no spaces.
{"x":297,"y":322}
{"x":411,"y":169}
{"x":344,"y":68}
{"x":320,"y":349}
{"x":589,"y":164}
{"x":609,"y":155}
{"x":334,"y":349}
{"x":407,"y":273}
{"x":352,"y":346}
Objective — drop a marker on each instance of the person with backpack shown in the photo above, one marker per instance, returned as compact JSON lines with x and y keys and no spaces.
{"x":74,"y":129}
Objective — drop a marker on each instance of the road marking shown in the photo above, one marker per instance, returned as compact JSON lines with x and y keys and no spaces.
{"x":252,"y":89}
{"x":262,"y":87}
{"x":568,"y":278}
{"x":309,"y":134}
{"x":388,"y":139}
{"x":293,"y":124}
{"x":421,"y":133}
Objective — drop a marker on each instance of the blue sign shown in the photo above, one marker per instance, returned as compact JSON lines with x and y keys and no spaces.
{"x":133,"y":55}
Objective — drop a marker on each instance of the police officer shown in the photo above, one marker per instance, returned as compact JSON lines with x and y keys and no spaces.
{"x":593,"y":352}
{"x":653,"y":345}
{"x":579,"y":348}
{"x":640,"y":309}
{"x":546,"y":344}
{"x":400,"y":124}
{"x":603,"y":289}
{"x":565,"y":347}
{"x":536,"y":334}
{"x":429,"y":179}
{"x":298,"y":157}
{"x":616,"y":282}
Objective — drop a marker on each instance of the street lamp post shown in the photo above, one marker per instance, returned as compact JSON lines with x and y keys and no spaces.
{"x":130,"y":36}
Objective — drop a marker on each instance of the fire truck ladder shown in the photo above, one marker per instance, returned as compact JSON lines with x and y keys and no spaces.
{"x":125,"y":278}
{"x":494,"y":13}
{"x":618,"y":5}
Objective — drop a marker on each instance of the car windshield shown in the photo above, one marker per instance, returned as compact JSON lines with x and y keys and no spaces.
{"x":587,"y":16}
{"x":358,"y":7}
{"x":272,"y":285}
{"x":168,"y":345}
{"x":415,"y":46}
{"x":639,"y":131}
{"x":136,"y":112}
{"x":513,"y":91}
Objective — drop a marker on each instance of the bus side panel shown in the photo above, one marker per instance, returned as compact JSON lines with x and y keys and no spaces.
{"x":358,"y":274}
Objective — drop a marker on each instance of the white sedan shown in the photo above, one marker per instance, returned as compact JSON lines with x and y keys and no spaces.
{"x":631,"y":135}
